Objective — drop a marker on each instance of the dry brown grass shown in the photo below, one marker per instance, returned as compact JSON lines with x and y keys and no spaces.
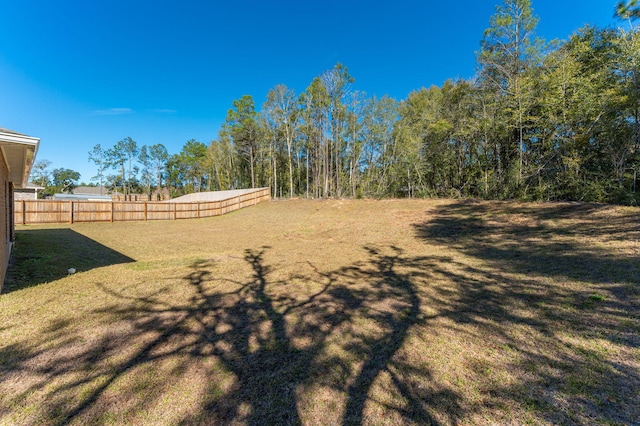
{"x":329,"y":312}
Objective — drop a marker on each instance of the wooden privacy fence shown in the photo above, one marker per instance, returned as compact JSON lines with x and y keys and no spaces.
{"x":64,"y":211}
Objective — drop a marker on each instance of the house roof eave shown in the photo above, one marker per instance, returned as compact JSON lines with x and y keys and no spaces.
{"x":20,"y":153}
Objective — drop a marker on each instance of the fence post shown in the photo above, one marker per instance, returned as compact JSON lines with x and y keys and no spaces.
{"x":111,"y":211}
{"x":145,"y":210}
{"x":71,"y":212}
{"x":174,"y":211}
{"x":198,"y":209}
{"x":24,"y":213}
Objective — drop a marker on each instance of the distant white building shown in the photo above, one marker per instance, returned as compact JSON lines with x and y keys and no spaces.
{"x":82,"y":197}
{"x":91,"y":190}
{"x":29,"y":192}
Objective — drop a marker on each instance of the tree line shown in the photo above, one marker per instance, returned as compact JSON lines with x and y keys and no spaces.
{"x":539,"y":121}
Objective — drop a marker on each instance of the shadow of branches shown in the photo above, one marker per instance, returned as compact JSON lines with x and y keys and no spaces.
{"x":556,"y":289}
{"x":492,"y":314}
{"x":254,"y":351}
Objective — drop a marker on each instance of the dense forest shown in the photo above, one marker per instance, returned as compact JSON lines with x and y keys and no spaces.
{"x":540,"y":121}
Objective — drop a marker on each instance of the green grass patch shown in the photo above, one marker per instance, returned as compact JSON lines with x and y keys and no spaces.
{"x":328,"y":312}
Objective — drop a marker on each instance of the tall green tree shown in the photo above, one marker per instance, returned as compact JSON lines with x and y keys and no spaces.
{"x":337,"y":82}
{"x":121,"y":157}
{"x":598,"y":116}
{"x":97,"y":157}
{"x":352,"y":162}
{"x":509,"y":50}
{"x":158,"y":156}
{"x":64,"y":180}
{"x":175,"y":175}
{"x":407,"y":171}
{"x":193,"y":157}
{"x":627,"y":65}
{"x":242,"y":126}
{"x":40,"y":173}
{"x":223,"y":162}
{"x":146,"y":173}
{"x":314,"y":103}
{"x":379,"y":117}
{"x":282,"y":116}
{"x":628,"y":9}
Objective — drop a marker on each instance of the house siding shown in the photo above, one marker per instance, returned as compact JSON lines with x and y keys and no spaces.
{"x":17,"y":154}
{"x":6,"y":218}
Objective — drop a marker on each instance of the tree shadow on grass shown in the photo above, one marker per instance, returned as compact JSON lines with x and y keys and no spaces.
{"x":258,"y":351}
{"x":277,"y":343}
{"x":44,"y":255}
{"x":550,"y":286}
{"x":492,"y":329}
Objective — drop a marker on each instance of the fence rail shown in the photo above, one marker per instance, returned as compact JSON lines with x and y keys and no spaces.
{"x":64,"y":211}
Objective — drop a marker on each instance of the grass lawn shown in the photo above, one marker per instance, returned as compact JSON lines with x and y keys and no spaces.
{"x":328,"y":312}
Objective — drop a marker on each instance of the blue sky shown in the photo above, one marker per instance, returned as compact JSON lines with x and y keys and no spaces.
{"x":80,"y":73}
